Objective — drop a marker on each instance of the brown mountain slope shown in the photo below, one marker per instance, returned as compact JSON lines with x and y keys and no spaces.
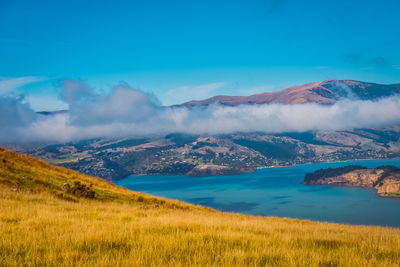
{"x":325,"y":92}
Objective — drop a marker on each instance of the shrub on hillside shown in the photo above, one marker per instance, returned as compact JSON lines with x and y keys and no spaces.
{"x":81,"y":190}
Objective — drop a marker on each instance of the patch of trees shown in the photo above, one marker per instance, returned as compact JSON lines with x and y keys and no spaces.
{"x":305,"y":137}
{"x":389,"y":170}
{"x":79,"y":189}
{"x":176,"y":168}
{"x":331,"y":172}
{"x":281,"y":151}
{"x":181,"y":139}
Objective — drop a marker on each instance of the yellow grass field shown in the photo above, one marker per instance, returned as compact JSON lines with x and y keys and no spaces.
{"x":42,"y":224}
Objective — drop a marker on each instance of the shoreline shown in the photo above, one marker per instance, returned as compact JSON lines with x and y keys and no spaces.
{"x":258,"y":168}
{"x":309,"y":163}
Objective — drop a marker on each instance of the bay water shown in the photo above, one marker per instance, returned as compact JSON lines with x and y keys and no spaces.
{"x":278,"y":192}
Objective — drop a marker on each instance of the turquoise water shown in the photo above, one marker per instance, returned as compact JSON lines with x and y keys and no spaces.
{"x":278,"y":192}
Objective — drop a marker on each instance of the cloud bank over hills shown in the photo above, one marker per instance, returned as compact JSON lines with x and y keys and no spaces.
{"x":128,"y":112}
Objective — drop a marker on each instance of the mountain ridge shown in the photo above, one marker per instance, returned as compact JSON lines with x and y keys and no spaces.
{"x":323,"y":92}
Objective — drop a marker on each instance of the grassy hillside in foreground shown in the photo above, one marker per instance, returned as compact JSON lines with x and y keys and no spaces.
{"x":43,"y":224}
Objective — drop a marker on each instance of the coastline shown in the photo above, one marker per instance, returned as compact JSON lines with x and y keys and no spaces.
{"x":339,"y":161}
{"x":255,"y":169}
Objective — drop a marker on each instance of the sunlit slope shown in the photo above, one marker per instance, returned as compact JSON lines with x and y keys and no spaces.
{"x":25,"y":174}
{"x":44,"y":223}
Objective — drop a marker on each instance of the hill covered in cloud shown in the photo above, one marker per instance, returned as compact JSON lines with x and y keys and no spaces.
{"x":125,"y":111}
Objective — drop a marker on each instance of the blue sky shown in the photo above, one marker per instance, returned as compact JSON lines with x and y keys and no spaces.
{"x":180,"y":50}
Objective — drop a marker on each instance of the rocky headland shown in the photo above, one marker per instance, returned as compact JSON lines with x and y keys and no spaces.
{"x":385,"y":179}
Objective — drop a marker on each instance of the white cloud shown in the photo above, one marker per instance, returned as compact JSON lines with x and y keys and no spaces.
{"x":126,"y":111}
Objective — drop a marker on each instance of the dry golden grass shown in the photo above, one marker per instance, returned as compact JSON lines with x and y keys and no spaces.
{"x":123,"y":228}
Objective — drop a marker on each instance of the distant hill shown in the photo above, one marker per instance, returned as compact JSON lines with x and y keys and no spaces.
{"x":199,"y":155}
{"x":44,"y":222}
{"x":325,"y":92}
